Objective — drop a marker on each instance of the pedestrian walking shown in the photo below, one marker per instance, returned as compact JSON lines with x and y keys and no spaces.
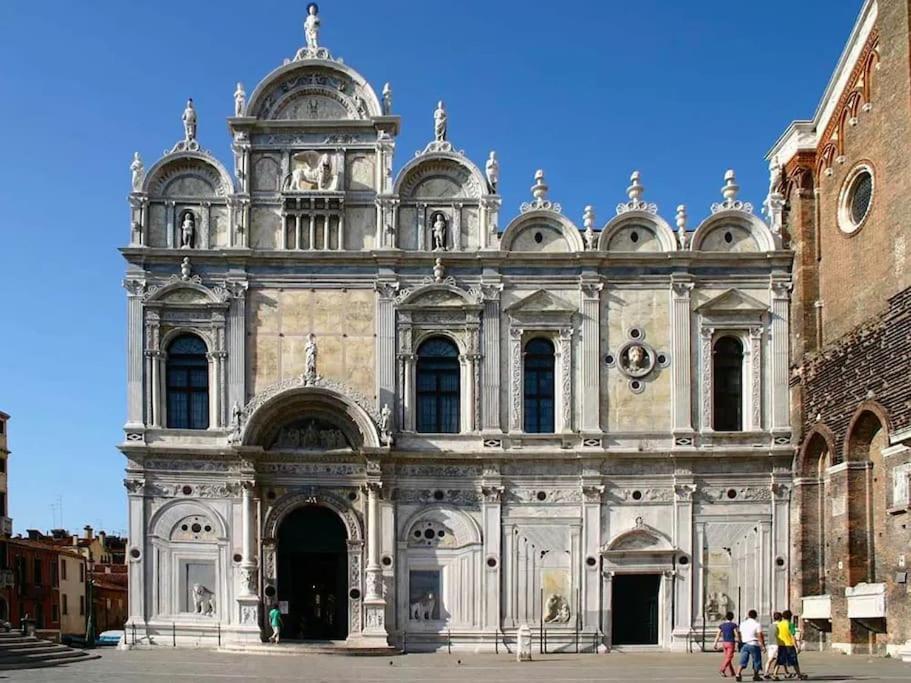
{"x":275,"y":621}
{"x":787,"y":646}
{"x":772,"y":646}
{"x":728,"y":635}
{"x":753,"y":643}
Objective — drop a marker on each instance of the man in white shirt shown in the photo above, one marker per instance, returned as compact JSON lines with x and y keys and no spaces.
{"x":753,"y":643}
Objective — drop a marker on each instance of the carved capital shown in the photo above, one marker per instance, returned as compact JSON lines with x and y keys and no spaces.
{"x":591,"y":290}
{"x":682,"y":290}
{"x":134,"y":287}
{"x":386,"y":290}
{"x":684,"y":492}
{"x":593,"y":494}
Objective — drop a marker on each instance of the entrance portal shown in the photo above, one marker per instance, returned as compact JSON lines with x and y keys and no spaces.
{"x":634,"y":609}
{"x":312,"y":566}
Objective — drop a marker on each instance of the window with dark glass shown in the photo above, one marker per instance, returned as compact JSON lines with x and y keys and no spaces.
{"x":437,"y":387}
{"x":188,"y":383}
{"x":539,"y":387}
{"x":36,"y":576}
{"x":727,"y":377}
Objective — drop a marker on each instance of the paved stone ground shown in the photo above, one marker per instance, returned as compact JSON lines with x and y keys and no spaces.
{"x":205,"y":666}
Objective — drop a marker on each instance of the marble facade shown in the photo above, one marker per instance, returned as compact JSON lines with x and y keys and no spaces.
{"x":314,"y":272}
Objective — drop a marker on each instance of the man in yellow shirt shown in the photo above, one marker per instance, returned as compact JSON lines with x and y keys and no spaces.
{"x":787,"y":646}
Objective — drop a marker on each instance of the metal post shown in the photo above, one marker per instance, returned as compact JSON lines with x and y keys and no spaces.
{"x":449,"y":641}
{"x":404,"y":642}
{"x":541,"y":644}
{"x":219,"y":634}
{"x":173,"y":634}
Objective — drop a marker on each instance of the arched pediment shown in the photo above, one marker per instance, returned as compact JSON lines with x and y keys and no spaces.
{"x":733,"y":230}
{"x":641,"y":538}
{"x":164,"y":522}
{"x":313,"y":89}
{"x":188,"y":175}
{"x":440,"y":175}
{"x":286,"y":504}
{"x":637,"y":231}
{"x":436,"y":295}
{"x":303,"y":413}
{"x":452,"y":529}
{"x":542,"y":230}
{"x":186,"y":292}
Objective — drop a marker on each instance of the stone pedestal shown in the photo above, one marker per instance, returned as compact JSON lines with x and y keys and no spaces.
{"x":247,"y":630}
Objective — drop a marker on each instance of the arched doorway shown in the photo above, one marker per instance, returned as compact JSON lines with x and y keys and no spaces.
{"x":311,"y":564}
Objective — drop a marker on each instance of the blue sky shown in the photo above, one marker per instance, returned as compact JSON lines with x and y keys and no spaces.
{"x":587,"y":91}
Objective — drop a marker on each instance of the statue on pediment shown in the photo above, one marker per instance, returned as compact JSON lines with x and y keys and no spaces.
{"x":311,"y":27}
{"x":440,"y":122}
{"x":189,"y":121}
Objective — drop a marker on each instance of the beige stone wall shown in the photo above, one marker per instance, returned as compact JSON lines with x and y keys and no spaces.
{"x":278,"y":322}
{"x":621,"y":409}
{"x":71,"y":622}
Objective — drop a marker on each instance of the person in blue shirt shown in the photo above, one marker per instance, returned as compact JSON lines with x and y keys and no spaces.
{"x":728,"y":635}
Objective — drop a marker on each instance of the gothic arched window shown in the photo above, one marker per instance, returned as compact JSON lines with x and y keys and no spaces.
{"x":727,"y":376}
{"x":437,"y":387}
{"x":188,"y":383}
{"x":539,"y":387}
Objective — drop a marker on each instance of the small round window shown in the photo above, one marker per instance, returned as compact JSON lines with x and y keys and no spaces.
{"x":856,"y":199}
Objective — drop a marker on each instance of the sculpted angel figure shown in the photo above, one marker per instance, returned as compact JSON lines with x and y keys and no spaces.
{"x":310,"y":356}
{"x":439,"y":233}
{"x":187,"y":230}
{"x":492,"y":168}
{"x":136,"y":171}
{"x":189,"y":121}
{"x":311,"y":27}
{"x":439,"y":122}
{"x":240,"y":99}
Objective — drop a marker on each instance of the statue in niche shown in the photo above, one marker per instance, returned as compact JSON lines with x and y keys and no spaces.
{"x":387,"y":99}
{"x":311,"y":27}
{"x":439,"y":122}
{"x":136,"y":170}
{"x":492,"y":168}
{"x":189,"y":121}
{"x":439,"y":232}
{"x":422,"y":610}
{"x":556,"y":610}
{"x":240,"y":99}
{"x":237,"y":416}
{"x":187,"y":230}
{"x":203,"y":600}
{"x":310,"y":357}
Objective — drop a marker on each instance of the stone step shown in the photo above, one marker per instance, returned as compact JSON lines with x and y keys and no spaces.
{"x":318,"y":648}
{"x":27,"y":652}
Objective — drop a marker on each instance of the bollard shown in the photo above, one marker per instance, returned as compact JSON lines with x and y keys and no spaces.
{"x":523,"y":651}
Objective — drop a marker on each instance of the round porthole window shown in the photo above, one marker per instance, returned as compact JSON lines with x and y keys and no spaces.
{"x":354,"y":594}
{"x":386,"y":561}
{"x":491,"y":562}
{"x":187,"y":490}
{"x":238,"y":557}
{"x":779,"y":562}
{"x":438,"y":495}
{"x":637,"y":495}
{"x":134,"y":553}
{"x":684,"y":560}
{"x":856,"y":199}
{"x":731,"y":493}
{"x":634,"y":237}
{"x":541,"y":495}
{"x":539,"y":237}
{"x":591,"y":561}
{"x":270,"y":591}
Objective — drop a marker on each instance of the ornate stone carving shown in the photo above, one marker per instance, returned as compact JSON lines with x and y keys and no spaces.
{"x":203,"y":600}
{"x":493,"y":494}
{"x":134,"y":485}
{"x":387,"y":99}
{"x":460,"y":497}
{"x":249,"y":579}
{"x":515,"y":385}
{"x":684,"y":492}
{"x":549,"y":496}
{"x":189,"y":122}
{"x":756,"y":376}
{"x":539,"y":195}
{"x":249,"y":615}
{"x":312,"y":172}
{"x":707,"y":334}
{"x":680,"y":220}
{"x":635,"y":203}
{"x":439,"y":471}
{"x":729,"y":192}
{"x":240,"y":99}
{"x":310,"y":435}
{"x":593,"y":494}
{"x":588,"y":222}
{"x":556,"y":610}
{"x":566,"y":377}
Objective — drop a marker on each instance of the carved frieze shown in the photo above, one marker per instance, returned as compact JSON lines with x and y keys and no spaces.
{"x":466,"y":497}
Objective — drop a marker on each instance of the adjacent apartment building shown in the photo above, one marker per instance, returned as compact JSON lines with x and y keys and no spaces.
{"x":845,"y":180}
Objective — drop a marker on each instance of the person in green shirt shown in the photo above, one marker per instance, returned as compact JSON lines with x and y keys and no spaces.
{"x":275,"y":621}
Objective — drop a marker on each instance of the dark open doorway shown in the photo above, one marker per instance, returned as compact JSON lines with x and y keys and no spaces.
{"x":312,"y":562}
{"x":634,"y":609}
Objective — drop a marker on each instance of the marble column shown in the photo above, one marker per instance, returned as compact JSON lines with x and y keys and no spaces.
{"x":778,"y":358}
{"x":491,"y":357}
{"x":135,"y":290}
{"x":705,"y":386}
{"x":248,"y":598}
{"x":681,"y":385}
{"x":385,"y":343}
{"x":515,"y":380}
{"x":591,"y":356}
{"x":756,"y":392}
{"x":592,"y":494}
{"x":566,"y":379}
{"x":237,"y":344}
{"x":137,"y":559}
{"x":374,"y":603}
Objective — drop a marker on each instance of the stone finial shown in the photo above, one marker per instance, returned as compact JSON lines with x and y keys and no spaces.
{"x":387,"y":99}
{"x":635,"y":191}
{"x":681,"y":225}
{"x":729,"y":191}
{"x":240,"y":99}
{"x":588,"y":221}
{"x":186,"y":270}
{"x":636,"y":188}
{"x":439,"y":271}
{"x":539,"y":193}
{"x":137,"y":172}
{"x":540,"y":188}
{"x":731,"y":188}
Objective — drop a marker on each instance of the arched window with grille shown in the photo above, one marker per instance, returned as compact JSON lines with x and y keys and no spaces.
{"x":437,"y":387}
{"x":539,"y":387}
{"x":727,"y":380}
{"x":188,"y":383}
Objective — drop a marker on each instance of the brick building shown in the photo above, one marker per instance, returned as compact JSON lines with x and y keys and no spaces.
{"x":844,"y":179}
